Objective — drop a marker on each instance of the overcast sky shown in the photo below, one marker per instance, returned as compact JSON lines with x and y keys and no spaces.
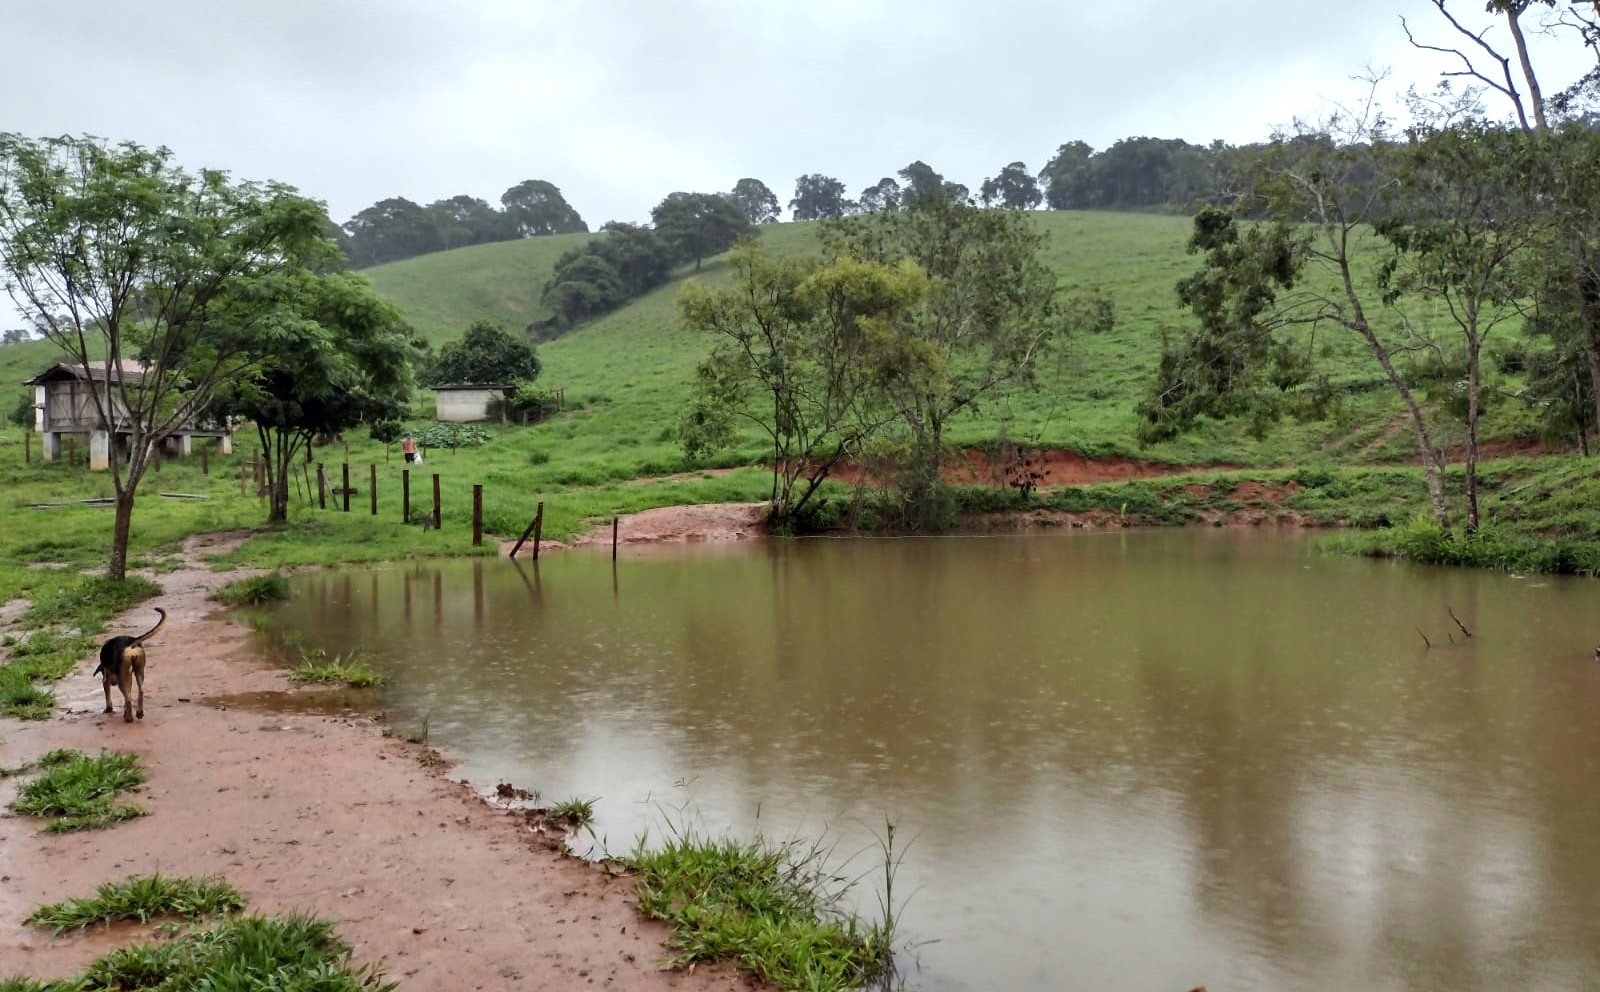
{"x":622,"y":101}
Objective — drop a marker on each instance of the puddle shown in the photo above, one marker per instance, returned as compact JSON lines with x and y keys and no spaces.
{"x":317,"y":702}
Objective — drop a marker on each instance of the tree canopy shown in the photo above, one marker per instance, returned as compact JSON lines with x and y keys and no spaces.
{"x":698,"y":225}
{"x":536,"y":207}
{"x":759,"y":203}
{"x":1014,"y":188}
{"x":817,"y":197}
{"x":487,"y":353}
{"x":625,"y":261}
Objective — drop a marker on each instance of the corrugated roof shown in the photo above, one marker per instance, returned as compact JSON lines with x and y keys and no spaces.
{"x":132,"y":371}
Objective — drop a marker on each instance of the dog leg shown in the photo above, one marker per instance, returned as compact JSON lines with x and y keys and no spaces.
{"x":138,"y":676}
{"x":105,"y":683}
{"x":124,"y":680}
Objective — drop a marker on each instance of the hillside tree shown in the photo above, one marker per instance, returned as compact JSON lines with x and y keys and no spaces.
{"x":759,"y":203}
{"x":536,"y":207}
{"x":1067,"y":177}
{"x":984,"y":325}
{"x":1014,"y":188}
{"x":468,"y":220}
{"x":390,"y":230}
{"x":118,"y":255}
{"x":880,"y":196}
{"x":623,"y":262}
{"x":698,"y":225}
{"x":799,"y":349}
{"x":487,"y":353}
{"x":817,"y":197}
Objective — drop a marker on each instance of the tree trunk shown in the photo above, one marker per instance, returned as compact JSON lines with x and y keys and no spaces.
{"x":1432,"y":470}
{"x":117,"y":570}
{"x":1535,"y":94}
{"x":1474,"y":392}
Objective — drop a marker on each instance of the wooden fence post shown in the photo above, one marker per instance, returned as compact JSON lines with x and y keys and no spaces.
{"x":538,"y":529}
{"x":347,"y":487}
{"x":322,"y":488}
{"x":373,"y":486}
{"x":614,"y":522}
{"x":437,"y":522}
{"x":477,"y":515}
{"x":405,"y":495}
{"x":532,"y":528}
{"x":27,"y":447}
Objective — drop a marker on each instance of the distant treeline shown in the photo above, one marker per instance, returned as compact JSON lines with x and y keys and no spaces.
{"x":1133,"y":174}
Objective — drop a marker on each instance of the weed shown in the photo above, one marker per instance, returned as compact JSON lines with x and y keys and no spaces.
{"x":254,"y":591}
{"x":430,"y":758}
{"x":250,"y":952}
{"x":78,"y":792}
{"x":142,"y":898}
{"x":20,"y":698}
{"x":575,"y":811}
{"x":352,"y":670}
{"x":421,"y":735}
{"x":774,"y":910}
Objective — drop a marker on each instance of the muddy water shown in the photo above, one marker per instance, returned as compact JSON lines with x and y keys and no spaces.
{"x":1138,"y":761}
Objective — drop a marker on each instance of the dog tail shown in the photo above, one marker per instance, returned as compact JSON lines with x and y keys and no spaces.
{"x":151,"y":632}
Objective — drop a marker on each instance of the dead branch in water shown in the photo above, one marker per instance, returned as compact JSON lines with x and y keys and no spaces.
{"x":1424,"y":638}
{"x":1457,"y":619}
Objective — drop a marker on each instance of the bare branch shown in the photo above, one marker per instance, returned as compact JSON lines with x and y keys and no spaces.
{"x":1508,"y":88}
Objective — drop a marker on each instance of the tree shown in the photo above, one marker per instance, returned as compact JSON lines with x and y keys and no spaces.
{"x":536,"y":207}
{"x":467,"y":220}
{"x":487,"y":353}
{"x":920,"y":180}
{"x":988,"y":317}
{"x":697,"y":225}
{"x":1068,"y":176}
{"x":16,"y":335}
{"x":760,"y":204}
{"x":883,"y":195}
{"x":817,"y":197}
{"x":1014,"y":188}
{"x":117,"y":254}
{"x":625,"y":261}
{"x":386,"y":433}
{"x":390,"y":230}
{"x":339,"y":360}
{"x":799,"y":349}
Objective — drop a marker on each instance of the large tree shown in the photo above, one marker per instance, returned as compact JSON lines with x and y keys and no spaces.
{"x":987,"y":320}
{"x":799,"y":350}
{"x":536,"y":207}
{"x":1067,"y":177}
{"x":467,"y":220}
{"x":699,"y":225}
{"x":487,"y":353}
{"x":880,"y":196}
{"x":759,"y":203}
{"x":119,"y":256}
{"x":1014,"y":188}
{"x":340,"y":359}
{"x":391,"y":230}
{"x":817,"y":197}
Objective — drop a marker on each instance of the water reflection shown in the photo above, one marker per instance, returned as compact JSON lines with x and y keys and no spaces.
{"x":1131,"y":761}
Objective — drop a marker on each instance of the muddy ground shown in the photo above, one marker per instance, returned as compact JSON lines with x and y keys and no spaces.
{"x":311,"y":812}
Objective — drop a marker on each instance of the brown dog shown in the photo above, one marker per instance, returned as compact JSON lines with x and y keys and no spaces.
{"x":122,"y":665}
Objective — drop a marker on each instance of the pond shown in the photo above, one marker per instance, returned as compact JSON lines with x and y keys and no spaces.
{"x":1134,"y":760}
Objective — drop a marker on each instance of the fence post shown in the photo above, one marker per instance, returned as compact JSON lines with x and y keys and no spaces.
{"x":538,"y":529}
{"x":405,"y":494}
{"x":477,"y":515}
{"x":347,"y":487}
{"x":322,"y":488}
{"x":614,"y":522}
{"x":373,"y":486}
{"x":27,"y":447}
{"x":533,"y":526}
{"x":436,"y":521}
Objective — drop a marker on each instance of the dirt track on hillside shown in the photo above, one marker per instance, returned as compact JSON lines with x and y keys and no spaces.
{"x":312,"y":812}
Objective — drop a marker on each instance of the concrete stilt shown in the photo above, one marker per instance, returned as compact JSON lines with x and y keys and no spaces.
{"x":52,"y":445}
{"x":99,"y":451}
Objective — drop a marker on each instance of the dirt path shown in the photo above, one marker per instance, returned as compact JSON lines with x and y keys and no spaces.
{"x":314,"y":813}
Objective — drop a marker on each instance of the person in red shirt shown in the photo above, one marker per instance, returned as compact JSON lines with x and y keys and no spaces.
{"x":409,"y":447}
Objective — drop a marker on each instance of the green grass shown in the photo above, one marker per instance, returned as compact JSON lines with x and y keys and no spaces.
{"x":79,"y":792}
{"x":317,"y":668}
{"x":770,"y":909}
{"x":576,"y":811}
{"x":142,"y":898}
{"x":256,"y":953}
{"x":255,"y":591}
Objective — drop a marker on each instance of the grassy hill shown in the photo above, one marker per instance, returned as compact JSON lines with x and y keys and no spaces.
{"x":629,"y":371}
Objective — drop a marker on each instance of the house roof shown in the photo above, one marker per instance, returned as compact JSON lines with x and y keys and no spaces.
{"x":472,"y":385}
{"x":132,"y":371}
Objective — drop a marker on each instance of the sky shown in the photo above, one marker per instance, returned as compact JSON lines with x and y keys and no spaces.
{"x":619,"y":102}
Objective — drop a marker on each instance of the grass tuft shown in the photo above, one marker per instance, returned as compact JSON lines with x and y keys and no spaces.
{"x":575,"y":811}
{"x":142,"y":898}
{"x":255,"y":591}
{"x":77,"y":792}
{"x":255,"y":953}
{"x":317,"y":668}
{"x":772,"y":910}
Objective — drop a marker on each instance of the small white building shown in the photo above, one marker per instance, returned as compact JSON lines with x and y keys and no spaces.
{"x":467,"y":403}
